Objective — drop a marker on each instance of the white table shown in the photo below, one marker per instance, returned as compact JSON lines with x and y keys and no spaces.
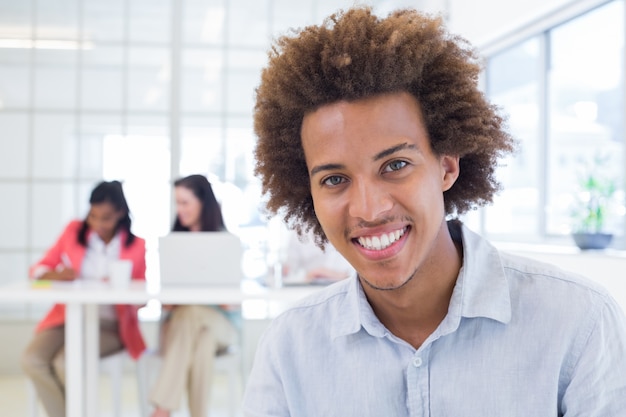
{"x":81,"y":325}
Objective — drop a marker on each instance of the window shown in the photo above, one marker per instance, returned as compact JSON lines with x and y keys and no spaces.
{"x":514,"y":83}
{"x":563,"y":91}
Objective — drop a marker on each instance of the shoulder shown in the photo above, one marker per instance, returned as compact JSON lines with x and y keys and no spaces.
{"x":563,"y":293}
{"x":139,"y":241}
{"x":71,"y":229}
{"x":318,"y":310}
{"x":522,"y":268}
{"x":74,"y":225}
{"x":138,"y":245}
{"x":325,"y":296}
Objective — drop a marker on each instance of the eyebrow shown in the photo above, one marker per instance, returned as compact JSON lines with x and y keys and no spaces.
{"x":393,"y":150}
{"x":378,"y":156}
{"x":326,"y":167}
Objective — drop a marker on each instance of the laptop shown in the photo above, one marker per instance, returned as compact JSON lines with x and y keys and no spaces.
{"x":200,"y":259}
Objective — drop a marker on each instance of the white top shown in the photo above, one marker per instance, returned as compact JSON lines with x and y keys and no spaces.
{"x":95,"y":266}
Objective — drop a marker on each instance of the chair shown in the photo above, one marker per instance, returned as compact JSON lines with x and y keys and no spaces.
{"x":227,"y":361}
{"x":112,"y":365}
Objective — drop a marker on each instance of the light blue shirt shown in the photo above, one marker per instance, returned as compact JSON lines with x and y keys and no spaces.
{"x":521,"y":339}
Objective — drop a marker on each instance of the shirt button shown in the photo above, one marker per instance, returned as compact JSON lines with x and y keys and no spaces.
{"x":417,"y":362}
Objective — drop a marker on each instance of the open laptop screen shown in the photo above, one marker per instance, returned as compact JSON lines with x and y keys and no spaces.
{"x":200,"y":258}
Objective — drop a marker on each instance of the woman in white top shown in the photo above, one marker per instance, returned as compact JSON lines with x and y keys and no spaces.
{"x":191,"y":335}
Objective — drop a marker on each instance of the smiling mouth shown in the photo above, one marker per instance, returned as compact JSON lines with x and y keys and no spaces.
{"x":382,"y":241}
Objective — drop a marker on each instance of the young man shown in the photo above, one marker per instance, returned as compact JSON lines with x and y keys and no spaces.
{"x":373,"y":134}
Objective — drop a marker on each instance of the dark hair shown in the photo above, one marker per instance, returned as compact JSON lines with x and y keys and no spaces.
{"x":355,"y":55}
{"x":211,"y":215}
{"x":110,"y":192}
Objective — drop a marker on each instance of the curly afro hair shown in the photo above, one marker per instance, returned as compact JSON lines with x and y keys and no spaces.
{"x":353,"y":55}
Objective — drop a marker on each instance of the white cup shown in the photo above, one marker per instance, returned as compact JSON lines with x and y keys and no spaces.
{"x":120,"y":272}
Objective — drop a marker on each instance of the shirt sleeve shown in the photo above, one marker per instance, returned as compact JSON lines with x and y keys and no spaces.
{"x":597,"y":385}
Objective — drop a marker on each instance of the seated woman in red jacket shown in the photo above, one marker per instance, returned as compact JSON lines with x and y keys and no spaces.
{"x":83,"y":251}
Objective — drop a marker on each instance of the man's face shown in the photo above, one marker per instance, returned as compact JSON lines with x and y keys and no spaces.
{"x":377,"y":187}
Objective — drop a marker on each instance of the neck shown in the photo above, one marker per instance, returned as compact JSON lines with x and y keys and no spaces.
{"x":107,"y":239}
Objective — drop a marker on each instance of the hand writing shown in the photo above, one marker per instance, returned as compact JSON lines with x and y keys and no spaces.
{"x":64,"y":274}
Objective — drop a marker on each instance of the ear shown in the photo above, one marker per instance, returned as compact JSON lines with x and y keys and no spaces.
{"x":449,"y":171}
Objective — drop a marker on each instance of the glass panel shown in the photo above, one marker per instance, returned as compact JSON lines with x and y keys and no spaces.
{"x":513,"y":84}
{"x":14,"y":145}
{"x":55,"y":79}
{"x":93,"y":130}
{"x":103,"y":20}
{"x":15,"y":19}
{"x":383,"y":8}
{"x":325,"y":8}
{"x":288,"y":14}
{"x":246,"y":60}
{"x":57,"y":19}
{"x":204,"y":21}
{"x":248,"y":22}
{"x":54,"y":146}
{"x":244,"y":73}
{"x":240,"y":142}
{"x":240,"y":196}
{"x":202,"y":149}
{"x":201,"y":80}
{"x":586,"y":99}
{"x":14,"y":78}
{"x":150,"y":21}
{"x":146,"y":180}
{"x":13,"y":221}
{"x":83,"y":192}
{"x":148,"y":79}
{"x":13,"y":268}
{"x":54,"y":205}
{"x":240,"y":91}
{"x":102,"y":78}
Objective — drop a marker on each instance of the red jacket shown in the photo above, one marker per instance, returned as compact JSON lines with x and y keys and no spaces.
{"x":68,"y":244}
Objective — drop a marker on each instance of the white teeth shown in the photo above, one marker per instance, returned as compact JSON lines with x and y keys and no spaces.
{"x":381,"y":242}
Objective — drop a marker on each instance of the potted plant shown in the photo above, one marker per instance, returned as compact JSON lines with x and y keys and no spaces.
{"x":592,"y":201}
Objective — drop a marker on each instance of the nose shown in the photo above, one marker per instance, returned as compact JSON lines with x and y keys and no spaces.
{"x":369,"y":201}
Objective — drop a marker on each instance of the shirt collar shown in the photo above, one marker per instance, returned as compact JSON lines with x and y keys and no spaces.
{"x":481,"y":290}
{"x":482,"y":282}
{"x":94,"y":242}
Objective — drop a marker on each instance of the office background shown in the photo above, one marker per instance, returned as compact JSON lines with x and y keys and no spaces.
{"x":145,"y":91}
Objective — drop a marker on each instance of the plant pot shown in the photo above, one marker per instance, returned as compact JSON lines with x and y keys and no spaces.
{"x":592,"y":240}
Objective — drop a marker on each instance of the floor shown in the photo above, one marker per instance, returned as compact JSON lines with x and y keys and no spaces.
{"x":14,"y":393}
